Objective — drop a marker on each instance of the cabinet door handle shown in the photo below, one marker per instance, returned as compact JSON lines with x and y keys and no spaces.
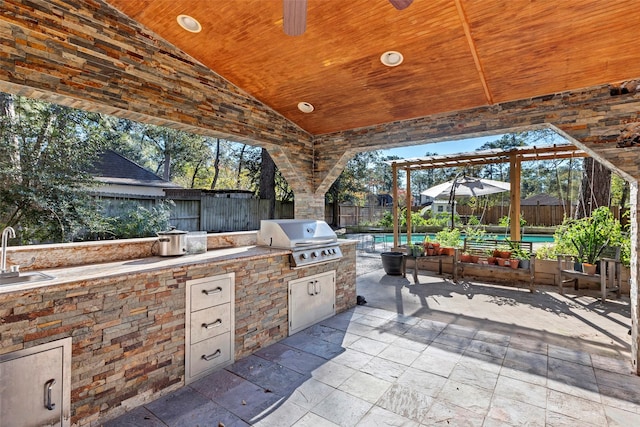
{"x":310,"y":288}
{"x":212,"y":324}
{"x":212,"y":291}
{"x":316,"y":288}
{"x":210,"y":357}
{"x":47,"y":394}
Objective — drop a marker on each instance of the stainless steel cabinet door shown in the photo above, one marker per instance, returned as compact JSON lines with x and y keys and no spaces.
{"x":311,"y":299}
{"x":32,"y":388}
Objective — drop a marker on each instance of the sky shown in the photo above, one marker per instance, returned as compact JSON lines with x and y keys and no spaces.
{"x":448,"y":147}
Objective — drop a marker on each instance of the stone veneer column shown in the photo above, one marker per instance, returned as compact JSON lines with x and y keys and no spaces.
{"x":634,"y":295}
{"x":309,"y":206}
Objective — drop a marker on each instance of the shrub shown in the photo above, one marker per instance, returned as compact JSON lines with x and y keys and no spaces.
{"x":585,"y":237}
{"x":142,"y":222}
{"x":448,"y":238}
{"x":386,"y":220}
{"x":473,"y":220}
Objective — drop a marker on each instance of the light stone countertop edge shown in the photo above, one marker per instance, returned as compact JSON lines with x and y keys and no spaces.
{"x":81,"y":273}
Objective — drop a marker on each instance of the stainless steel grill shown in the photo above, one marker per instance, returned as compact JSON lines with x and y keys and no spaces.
{"x":310,"y":241}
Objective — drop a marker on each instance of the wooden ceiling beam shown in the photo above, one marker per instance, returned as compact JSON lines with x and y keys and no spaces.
{"x":474,"y":52}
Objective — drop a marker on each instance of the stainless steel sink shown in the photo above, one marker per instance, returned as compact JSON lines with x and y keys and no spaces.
{"x":26,"y":277}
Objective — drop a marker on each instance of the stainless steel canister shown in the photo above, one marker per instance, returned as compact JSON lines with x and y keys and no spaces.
{"x":172,"y":243}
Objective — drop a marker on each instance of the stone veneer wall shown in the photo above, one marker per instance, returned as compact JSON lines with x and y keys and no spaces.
{"x":86,"y":54}
{"x":128,"y":333}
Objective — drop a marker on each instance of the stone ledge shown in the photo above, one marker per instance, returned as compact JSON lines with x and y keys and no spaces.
{"x":39,"y":257}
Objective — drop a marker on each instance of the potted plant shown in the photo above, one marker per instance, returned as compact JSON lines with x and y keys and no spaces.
{"x":590,"y":236}
{"x":522,"y":256}
{"x":504,"y":251}
{"x":416,"y":250}
{"x":491,"y":258}
{"x":449,"y":240}
{"x":392,"y":263}
{"x":502,"y":262}
{"x":428,"y":246}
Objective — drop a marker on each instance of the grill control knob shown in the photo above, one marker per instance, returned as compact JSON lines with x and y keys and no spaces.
{"x":303,"y":256}
{"x":314,"y":254}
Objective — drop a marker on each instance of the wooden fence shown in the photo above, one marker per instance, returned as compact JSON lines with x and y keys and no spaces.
{"x":357,"y":215}
{"x":205,"y":213}
{"x":538,"y":215}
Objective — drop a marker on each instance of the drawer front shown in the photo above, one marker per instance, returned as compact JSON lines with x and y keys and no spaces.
{"x":210,"y":292}
{"x":209,"y":354}
{"x":210,"y":322}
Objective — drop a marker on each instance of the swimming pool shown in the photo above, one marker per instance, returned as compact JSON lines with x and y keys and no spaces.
{"x":419,"y":238}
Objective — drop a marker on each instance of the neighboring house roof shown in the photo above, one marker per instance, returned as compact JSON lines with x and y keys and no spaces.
{"x":112,"y":168}
{"x":541,"y":199}
{"x":118,"y":176}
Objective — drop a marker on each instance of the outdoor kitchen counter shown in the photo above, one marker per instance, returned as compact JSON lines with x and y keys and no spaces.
{"x":127,"y":318}
{"x":90,"y":272}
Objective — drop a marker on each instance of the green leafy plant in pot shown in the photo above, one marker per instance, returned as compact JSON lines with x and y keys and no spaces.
{"x":590,"y":236}
{"x":523,"y":255}
{"x":449,"y":239}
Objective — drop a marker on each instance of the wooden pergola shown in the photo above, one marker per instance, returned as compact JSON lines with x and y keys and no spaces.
{"x":514,"y":156}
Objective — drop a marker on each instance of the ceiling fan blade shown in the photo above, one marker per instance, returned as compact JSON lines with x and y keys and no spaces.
{"x":401,"y":4}
{"x":294,"y":17}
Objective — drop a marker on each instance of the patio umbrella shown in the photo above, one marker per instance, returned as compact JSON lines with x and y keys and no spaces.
{"x":466,"y":186}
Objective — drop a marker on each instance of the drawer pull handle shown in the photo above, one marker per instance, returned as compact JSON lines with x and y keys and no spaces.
{"x":47,"y":395}
{"x":212,"y":324}
{"x":212,"y":356}
{"x":212,"y":291}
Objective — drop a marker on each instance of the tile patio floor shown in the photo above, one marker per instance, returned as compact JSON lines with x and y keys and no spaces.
{"x":371,"y":366}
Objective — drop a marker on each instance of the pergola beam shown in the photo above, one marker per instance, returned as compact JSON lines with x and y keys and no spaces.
{"x":561,"y":151}
{"x":515,"y":156}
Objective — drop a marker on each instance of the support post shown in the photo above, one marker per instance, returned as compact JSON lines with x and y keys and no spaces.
{"x":394,"y":173}
{"x":409,"y":203}
{"x":635,"y":273}
{"x":514,"y":212}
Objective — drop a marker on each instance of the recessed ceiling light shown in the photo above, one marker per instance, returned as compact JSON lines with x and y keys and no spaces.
{"x":189,"y":23}
{"x":391,"y":58}
{"x":305,"y":107}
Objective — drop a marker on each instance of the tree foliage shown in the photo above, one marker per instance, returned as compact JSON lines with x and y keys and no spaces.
{"x":46,"y":158}
{"x":45,"y":153}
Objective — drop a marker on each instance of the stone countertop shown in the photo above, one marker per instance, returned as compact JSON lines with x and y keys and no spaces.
{"x":81,"y":273}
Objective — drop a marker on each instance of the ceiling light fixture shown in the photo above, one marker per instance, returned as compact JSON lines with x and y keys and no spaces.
{"x":391,"y":58}
{"x":305,"y":107}
{"x":188,"y":23}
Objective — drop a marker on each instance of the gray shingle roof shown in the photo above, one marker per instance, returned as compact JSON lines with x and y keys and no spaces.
{"x":112,"y":167}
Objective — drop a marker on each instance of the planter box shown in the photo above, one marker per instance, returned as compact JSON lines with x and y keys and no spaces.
{"x":545,"y":273}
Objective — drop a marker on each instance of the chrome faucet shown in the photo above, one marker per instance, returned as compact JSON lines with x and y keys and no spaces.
{"x":6,"y":234}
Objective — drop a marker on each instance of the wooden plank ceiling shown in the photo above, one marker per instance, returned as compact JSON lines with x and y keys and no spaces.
{"x":458,"y":54}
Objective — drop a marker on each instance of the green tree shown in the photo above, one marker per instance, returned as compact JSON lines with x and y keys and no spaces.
{"x":45,"y":153}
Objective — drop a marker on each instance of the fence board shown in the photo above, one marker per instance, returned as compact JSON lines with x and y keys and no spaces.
{"x":185,"y":215}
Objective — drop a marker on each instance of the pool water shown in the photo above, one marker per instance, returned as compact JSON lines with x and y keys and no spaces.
{"x":419,"y":238}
